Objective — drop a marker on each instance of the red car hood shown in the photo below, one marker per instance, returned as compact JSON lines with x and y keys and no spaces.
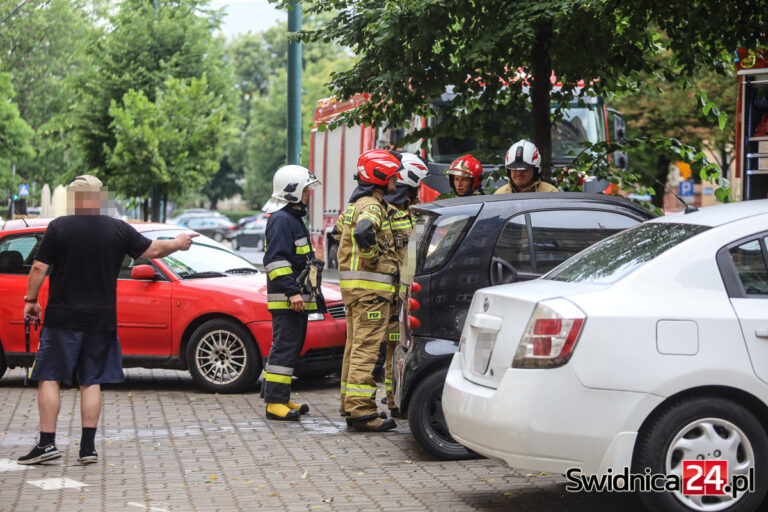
{"x":252,"y":286}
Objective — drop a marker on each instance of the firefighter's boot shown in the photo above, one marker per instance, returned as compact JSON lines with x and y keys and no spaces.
{"x":282,"y":412}
{"x":373,"y":425}
{"x":302,"y":408}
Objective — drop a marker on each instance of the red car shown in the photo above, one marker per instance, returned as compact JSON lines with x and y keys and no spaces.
{"x":202,"y":310}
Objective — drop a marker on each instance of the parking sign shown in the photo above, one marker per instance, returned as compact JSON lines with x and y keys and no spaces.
{"x":686,"y":188}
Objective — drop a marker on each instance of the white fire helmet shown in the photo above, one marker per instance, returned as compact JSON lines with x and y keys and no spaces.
{"x":288,"y":185}
{"x":414,"y":170}
{"x":522,"y":155}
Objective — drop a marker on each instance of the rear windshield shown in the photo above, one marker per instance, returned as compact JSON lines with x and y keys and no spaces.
{"x":615,"y":257}
{"x":434,"y":239}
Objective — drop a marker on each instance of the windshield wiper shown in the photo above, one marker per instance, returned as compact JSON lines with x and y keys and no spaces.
{"x":194,"y":275}
{"x":242,"y":270}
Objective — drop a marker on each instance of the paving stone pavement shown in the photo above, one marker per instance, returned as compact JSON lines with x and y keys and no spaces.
{"x":166,"y":445}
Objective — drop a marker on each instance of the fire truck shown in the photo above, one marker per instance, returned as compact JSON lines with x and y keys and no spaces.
{"x":334,"y":152}
{"x":750,"y":179}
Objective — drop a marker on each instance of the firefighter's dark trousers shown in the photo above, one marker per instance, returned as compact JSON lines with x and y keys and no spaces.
{"x":367,"y":322}
{"x":289,"y":329}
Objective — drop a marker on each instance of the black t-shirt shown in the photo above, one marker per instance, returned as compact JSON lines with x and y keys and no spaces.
{"x":86,"y":252}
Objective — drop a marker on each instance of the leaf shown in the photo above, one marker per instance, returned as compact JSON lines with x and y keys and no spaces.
{"x":304,"y":475}
{"x":722,"y":119}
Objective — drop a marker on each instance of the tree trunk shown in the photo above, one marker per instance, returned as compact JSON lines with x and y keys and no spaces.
{"x":155,"y":203}
{"x":146,"y":210}
{"x":662,"y":171}
{"x":541,"y":86}
{"x":214,"y":203}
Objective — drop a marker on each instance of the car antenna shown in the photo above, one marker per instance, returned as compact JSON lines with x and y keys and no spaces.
{"x":689,"y":208}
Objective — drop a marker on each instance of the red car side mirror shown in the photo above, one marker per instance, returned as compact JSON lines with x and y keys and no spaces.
{"x":143,"y":272}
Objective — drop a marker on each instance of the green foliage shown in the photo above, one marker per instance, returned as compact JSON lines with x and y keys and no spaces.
{"x":160,"y":104}
{"x":45,"y":46}
{"x":175,"y":141}
{"x":411,"y":50}
{"x":594,"y":161}
{"x":15,"y":135}
{"x":687,"y":111}
{"x":259,"y":64}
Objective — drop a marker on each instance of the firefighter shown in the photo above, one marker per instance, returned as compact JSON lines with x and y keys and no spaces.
{"x":464,"y":176}
{"x":287,"y":256}
{"x":523,"y":164}
{"x":368,"y":277}
{"x":406,"y":195}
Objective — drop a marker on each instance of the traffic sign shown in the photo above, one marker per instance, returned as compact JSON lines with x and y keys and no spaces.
{"x":23,"y":190}
{"x":686,"y":188}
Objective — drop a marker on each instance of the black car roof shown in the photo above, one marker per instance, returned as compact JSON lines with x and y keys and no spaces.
{"x":539,"y":197}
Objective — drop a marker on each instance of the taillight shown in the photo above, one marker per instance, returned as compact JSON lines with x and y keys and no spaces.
{"x":413,"y":305}
{"x":550,"y":336}
{"x":413,"y":322}
{"x":415,"y":287}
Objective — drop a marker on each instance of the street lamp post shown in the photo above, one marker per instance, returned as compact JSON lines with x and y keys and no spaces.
{"x":293,"y":154}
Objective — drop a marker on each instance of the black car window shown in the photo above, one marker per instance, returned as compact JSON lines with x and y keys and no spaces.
{"x":129,"y":263}
{"x":559,"y":234}
{"x":513,"y":245}
{"x":17,"y":252}
{"x":749,"y":260}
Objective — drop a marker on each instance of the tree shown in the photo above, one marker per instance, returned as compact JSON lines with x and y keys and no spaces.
{"x":144,"y":56}
{"x":262,"y":82}
{"x":44,"y":46}
{"x":225,"y":183}
{"x":15,"y":135}
{"x":410,"y":51}
{"x":670,"y":111}
{"x":174,"y":142}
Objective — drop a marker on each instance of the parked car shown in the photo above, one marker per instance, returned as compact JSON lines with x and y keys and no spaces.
{"x":213,"y":227}
{"x":202,"y":310}
{"x":249,"y":232}
{"x":192,"y":212}
{"x":460,"y":245}
{"x":647,"y":350}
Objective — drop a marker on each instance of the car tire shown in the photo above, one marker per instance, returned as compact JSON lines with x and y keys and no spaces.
{"x":234,"y":244}
{"x":425,"y":417}
{"x":691,"y":424}
{"x":222,"y":357}
{"x":218,"y":237}
{"x":333,"y":255}
{"x":3,"y":365}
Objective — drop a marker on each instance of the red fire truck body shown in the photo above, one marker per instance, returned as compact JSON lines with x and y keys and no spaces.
{"x":750,"y":180}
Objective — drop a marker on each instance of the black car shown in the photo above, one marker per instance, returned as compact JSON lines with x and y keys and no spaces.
{"x":463,"y":244}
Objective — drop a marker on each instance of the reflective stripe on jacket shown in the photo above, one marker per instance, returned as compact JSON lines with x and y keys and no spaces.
{"x":287,"y":248}
{"x":374,"y":269}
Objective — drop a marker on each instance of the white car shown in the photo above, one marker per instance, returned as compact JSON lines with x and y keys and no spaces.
{"x":647,"y":350}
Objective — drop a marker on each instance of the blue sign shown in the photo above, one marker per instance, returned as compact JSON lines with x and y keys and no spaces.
{"x":23,"y":190}
{"x":686,"y":188}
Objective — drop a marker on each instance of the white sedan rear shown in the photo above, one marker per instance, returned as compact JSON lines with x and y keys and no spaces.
{"x":635,"y":357}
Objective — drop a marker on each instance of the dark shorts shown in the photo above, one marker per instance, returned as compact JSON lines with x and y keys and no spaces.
{"x":94,"y":356}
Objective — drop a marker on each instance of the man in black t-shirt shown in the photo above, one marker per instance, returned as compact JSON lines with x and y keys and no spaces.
{"x":79,"y":334}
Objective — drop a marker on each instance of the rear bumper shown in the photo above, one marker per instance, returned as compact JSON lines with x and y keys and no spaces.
{"x":545,"y":420}
{"x":323,"y":348}
{"x":411,"y":365}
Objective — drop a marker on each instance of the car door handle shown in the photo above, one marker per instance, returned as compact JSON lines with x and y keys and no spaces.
{"x":761,"y":333}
